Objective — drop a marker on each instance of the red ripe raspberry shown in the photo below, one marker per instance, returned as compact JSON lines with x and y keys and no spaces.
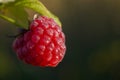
{"x":42,"y":45}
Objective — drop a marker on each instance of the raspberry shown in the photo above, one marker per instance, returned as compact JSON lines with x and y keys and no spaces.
{"x":42,"y":45}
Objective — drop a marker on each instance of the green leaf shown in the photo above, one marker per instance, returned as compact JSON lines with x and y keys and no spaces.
{"x":6,"y":1}
{"x":37,"y":6}
{"x":16,"y":15}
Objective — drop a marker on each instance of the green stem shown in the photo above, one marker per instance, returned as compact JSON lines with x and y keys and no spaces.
{"x":9,"y":19}
{"x":35,"y":5}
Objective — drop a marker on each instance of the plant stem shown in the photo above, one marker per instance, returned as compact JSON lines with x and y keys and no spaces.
{"x":9,"y":19}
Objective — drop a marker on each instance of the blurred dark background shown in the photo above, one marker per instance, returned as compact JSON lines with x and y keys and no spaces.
{"x":92,"y":29}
